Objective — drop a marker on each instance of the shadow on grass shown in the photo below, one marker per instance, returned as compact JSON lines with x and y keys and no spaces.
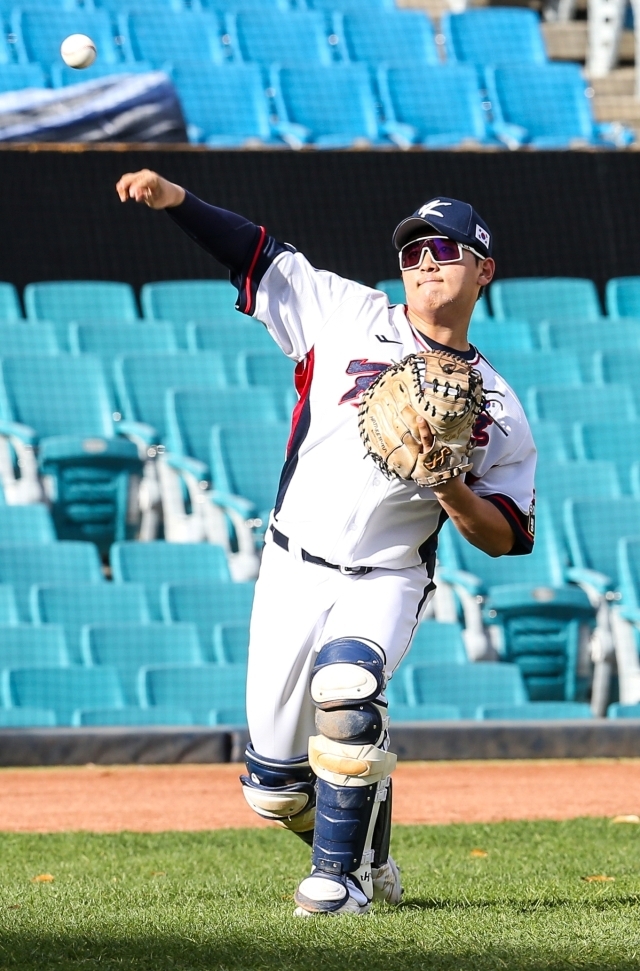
{"x":530,"y":907}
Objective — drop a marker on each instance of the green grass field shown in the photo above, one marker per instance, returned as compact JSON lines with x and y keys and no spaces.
{"x":223,"y":900}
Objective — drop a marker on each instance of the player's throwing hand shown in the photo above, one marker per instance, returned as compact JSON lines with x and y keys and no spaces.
{"x":149,"y":188}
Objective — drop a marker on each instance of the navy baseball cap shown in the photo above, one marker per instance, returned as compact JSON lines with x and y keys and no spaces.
{"x":448,"y":217}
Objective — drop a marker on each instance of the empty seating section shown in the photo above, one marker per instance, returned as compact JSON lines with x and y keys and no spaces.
{"x":39,"y":37}
{"x":623,"y":297}
{"x":65,"y":690}
{"x":206,"y":604}
{"x":545,"y":299}
{"x":168,"y":35}
{"x":239,"y":112}
{"x":22,"y":566}
{"x":274,"y":37}
{"x":198,"y":688}
{"x":395,"y":38}
{"x":494,"y":36}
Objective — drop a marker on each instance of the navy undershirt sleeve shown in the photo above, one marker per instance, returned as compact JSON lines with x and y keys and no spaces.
{"x":230,"y":238}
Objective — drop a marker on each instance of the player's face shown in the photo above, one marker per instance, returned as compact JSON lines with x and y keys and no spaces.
{"x":433,"y":286}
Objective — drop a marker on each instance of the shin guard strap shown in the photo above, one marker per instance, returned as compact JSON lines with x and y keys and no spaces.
{"x":342,"y":822}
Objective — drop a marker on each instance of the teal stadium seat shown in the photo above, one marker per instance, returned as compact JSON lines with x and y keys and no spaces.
{"x":344,"y":117}
{"x":26,"y":524}
{"x":593,"y":529}
{"x":373,"y":6}
{"x":622,"y":297}
{"x":522,"y":371}
{"x":609,"y":442}
{"x":183,"y":300}
{"x":25,"y":646}
{"x":62,"y":76}
{"x":40,"y":36}
{"x":545,"y":298}
{"x":231,"y":642}
{"x":224,"y":6}
{"x":10,"y":309}
{"x":228,"y":716}
{"x":629,"y":570}
{"x":62,"y":689}
{"x":619,"y":367}
{"x":586,"y":404}
{"x":496,"y":336}
{"x":394,"y":289}
{"x":153,"y":564}
{"x":229,"y":336}
{"x":437,"y":643}
{"x":132,"y":715}
{"x":15,"y":77}
{"x":424,"y":713}
{"x":394,"y":38}
{"x":8,"y":605}
{"x":77,"y":300}
{"x":129,"y":647}
{"x":142,"y":381}
{"x":536,"y":711}
{"x":67,"y":407}
{"x":18,"y":338}
{"x":574,"y":334}
{"x":27,"y":718}
{"x":197,"y":688}
{"x":237,"y":116}
{"x":120,"y":337}
{"x":582,"y":479}
{"x":494,"y":36}
{"x":74,"y":605}
{"x":440,"y":104}
{"x":465,"y":685}
{"x":550,"y":442}
{"x":623,"y":711}
{"x":66,"y":562}
{"x":149,"y":7}
{"x":169,"y":36}
{"x":276,"y":37}
{"x":206,"y":604}
{"x":270,"y":369}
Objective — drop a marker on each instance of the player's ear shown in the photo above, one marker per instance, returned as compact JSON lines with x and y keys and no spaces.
{"x":486,"y":270}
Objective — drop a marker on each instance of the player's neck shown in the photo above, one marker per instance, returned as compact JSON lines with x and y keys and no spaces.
{"x":442,"y":332}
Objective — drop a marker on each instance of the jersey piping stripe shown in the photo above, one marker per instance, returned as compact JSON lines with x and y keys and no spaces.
{"x":423,"y":342}
{"x":515,"y":518}
{"x":300,"y":422}
{"x":249,"y":298}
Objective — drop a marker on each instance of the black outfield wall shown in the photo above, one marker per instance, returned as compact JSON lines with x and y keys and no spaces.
{"x":552,"y":213}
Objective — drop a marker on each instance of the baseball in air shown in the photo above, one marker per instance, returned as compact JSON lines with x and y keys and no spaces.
{"x":78,"y":51}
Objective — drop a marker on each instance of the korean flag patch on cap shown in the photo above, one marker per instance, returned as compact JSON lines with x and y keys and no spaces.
{"x":483,"y":235}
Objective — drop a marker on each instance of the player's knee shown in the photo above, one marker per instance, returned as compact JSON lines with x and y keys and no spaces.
{"x":363,"y":724}
{"x":347,"y":670}
{"x":282,"y":791}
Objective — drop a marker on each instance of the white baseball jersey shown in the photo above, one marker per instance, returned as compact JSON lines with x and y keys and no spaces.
{"x":333,"y":501}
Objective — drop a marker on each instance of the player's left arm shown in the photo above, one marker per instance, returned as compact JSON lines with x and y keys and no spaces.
{"x":476,"y":519}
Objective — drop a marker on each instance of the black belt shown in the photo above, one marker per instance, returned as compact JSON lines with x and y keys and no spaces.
{"x":283,"y":542}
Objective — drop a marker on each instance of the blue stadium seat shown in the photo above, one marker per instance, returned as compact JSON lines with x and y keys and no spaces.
{"x":536,"y":710}
{"x":494,"y":36}
{"x":491,"y":336}
{"x":225,"y":6}
{"x":585,"y":338}
{"x":73,"y":300}
{"x":128,"y":647}
{"x":593,"y":529}
{"x":619,"y":367}
{"x":629,"y":570}
{"x":16,"y":338}
{"x":25,"y":646}
{"x":171,"y":36}
{"x":276,"y":37}
{"x":623,"y":711}
{"x":437,"y":643}
{"x":394,"y":38}
{"x":62,"y":689}
{"x":67,"y":407}
{"x":183,"y":300}
{"x":582,"y":479}
{"x":41,"y":36}
{"x":27,"y":718}
{"x":427,"y":713}
{"x":73,"y":606}
{"x":466,"y":685}
{"x":231,"y":642}
{"x":550,"y":442}
{"x":62,"y":76}
{"x":271,"y":369}
{"x":153,"y":564}
{"x":66,"y":562}
{"x":440,"y":104}
{"x":142,"y":381}
{"x":7,"y":50}
{"x":545,"y":298}
{"x":522,"y":371}
{"x":265,"y":443}
{"x":206,"y":604}
{"x":26,"y":524}
{"x":224,"y":105}
{"x":229,"y":337}
{"x":132,"y":715}
{"x":10,"y":308}
{"x":197,"y":688}
{"x":108,"y":341}
{"x":149,"y":7}
{"x":345,"y":115}
{"x":8,"y":605}
{"x":15,"y":77}
{"x":587,"y":404}
{"x":609,"y":442}
{"x":622,"y":297}
{"x":373,"y":6}
{"x":228,"y":716}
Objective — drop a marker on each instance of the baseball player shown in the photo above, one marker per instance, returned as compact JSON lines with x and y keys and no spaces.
{"x":348,"y":564}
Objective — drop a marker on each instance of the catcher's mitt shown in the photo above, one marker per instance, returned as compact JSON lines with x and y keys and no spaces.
{"x":446,"y":392}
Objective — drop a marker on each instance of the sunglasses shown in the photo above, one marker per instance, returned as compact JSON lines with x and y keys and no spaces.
{"x":440,"y":249}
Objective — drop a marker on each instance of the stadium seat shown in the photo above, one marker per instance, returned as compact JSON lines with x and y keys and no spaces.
{"x":224,"y":105}
{"x":153,"y":564}
{"x":491,"y":336}
{"x":15,"y":77}
{"x":536,"y":710}
{"x":62,"y":689}
{"x":427,"y":713}
{"x":206,"y":604}
{"x":345,"y":115}
{"x":622,"y":297}
{"x":62,"y":76}
{"x":66,"y":406}
{"x":120,"y":337}
{"x":466,"y":685}
{"x":373,"y":6}
{"x":229,"y":337}
{"x":16,"y":338}
{"x":593,"y":529}
{"x":494,"y":36}
{"x":197,"y":688}
{"x":623,"y":711}
{"x":587,"y":404}
{"x":275,"y":37}
{"x":231,"y":642}
{"x":25,"y":646}
{"x":582,"y":479}
{"x":74,"y":606}
{"x":39,"y":37}
{"x":394,"y":289}
{"x":439,"y":103}
{"x":619,"y":367}
{"x":128,"y":647}
{"x":132,"y":715}
{"x":629,"y":570}
{"x":609,"y":442}
{"x":394,"y":38}
{"x":545,"y":298}
{"x":67,"y":301}
{"x":437,"y":643}
{"x":10,"y":309}
{"x":26,"y":524}
{"x":149,"y":7}
{"x":171,"y":36}
{"x":183,"y":300}
{"x":550,"y":443}
{"x":585,"y":338}
{"x":65,"y":562}
{"x":271,"y":369}
{"x":27,"y":718}
{"x":522,"y":371}
{"x":228,"y":716}
{"x":224,"y":6}
{"x":142,"y":381}
{"x":8,"y":605}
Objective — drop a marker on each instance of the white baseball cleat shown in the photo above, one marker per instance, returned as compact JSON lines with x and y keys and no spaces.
{"x":329,"y":895}
{"x":387,"y":885}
